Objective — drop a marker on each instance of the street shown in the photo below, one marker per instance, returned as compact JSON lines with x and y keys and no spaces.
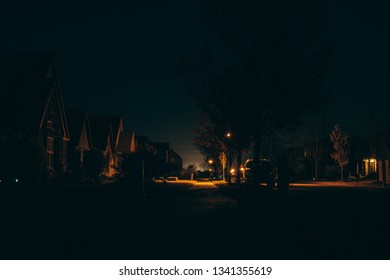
{"x":110,"y":222}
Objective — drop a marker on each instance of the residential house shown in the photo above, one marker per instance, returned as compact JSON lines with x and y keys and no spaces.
{"x":163,"y":161}
{"x":32,"y":110}
{"x":126,"y":143}
{"x":117,"y":128}
{"x":162,"y":150}
{"x":103,"y":140}
{"x":144,"y":145}
{"x":369,"y":166}
{"x":175,"y":161}
{"x":80,"y":139}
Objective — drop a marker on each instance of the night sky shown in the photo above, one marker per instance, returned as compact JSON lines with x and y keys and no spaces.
{"x":122,"y":59}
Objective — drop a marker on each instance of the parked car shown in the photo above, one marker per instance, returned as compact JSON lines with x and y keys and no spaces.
{"x":267,"y":173}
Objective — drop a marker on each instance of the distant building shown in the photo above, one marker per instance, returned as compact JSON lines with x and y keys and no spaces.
{"x":144,"y":145}
{"x":175,"y":160}
{"x":162,"y":151}
{"x":32,"y":108}
{"x":163,"y":161}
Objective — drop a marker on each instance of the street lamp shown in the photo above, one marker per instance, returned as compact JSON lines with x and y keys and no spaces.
{"x":210,"y":162}
{"x":242,"y":170}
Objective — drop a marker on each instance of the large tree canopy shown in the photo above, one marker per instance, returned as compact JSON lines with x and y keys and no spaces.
{"x":267,"y":70}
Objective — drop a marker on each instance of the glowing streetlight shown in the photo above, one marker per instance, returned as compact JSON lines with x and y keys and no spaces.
{"x":210,"y":161}
{"x":228,"y":135}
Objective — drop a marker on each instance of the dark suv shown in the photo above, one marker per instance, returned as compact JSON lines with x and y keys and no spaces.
{"x":267,"y":173}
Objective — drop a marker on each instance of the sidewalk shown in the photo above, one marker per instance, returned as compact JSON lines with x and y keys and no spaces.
{"x":357,"y":183}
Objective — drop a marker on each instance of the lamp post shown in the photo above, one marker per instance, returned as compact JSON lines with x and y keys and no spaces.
{"x":210,"y":162}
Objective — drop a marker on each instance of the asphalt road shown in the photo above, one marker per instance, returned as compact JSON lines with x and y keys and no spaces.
{"x":110,"y":222}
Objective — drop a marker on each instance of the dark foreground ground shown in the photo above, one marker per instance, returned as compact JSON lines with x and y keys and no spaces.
{"x":112,"y":222}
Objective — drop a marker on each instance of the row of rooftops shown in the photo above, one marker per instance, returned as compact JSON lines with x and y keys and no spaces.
{"x":108,"y":132}
{"x":26,"y":86}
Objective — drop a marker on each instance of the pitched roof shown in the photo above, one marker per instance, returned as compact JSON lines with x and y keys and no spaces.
{"x":117,"y":127}
{"x":77,"y":118}
{"x":115,"y":122}
{"x":26,"y":84}
{"x":125,"y":142}
{"x":101,"y":131}
{"x":172,"y":154}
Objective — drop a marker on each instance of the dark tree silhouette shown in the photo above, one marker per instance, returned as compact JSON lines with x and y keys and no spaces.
{"x":94,"y":164}
{"x":268,"y":68}
{"x":126,"y":164}
{"x":341,"y":149}
{"x":210,"y":137}
{"x":314,"y":140}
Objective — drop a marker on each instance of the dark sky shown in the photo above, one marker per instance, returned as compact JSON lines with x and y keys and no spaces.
{"x":121,"y":59}
{"x":360,"y":73}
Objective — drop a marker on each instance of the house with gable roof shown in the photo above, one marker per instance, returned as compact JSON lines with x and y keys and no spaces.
{"x":80,"y":139}
{"x":117,"y":128}
{"x":32,"y":110}
{"x":175,"y":161}
{"x":126,"y":143}
{"x":103,"y":140}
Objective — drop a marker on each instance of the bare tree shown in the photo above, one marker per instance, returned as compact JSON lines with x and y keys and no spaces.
{"x":341,"y":148}
{"x":314,"y":140}
{"x":269,"y":69}
{"x":315,"y":149}
{"x":223,"y":160}
{"x":210,"y":138}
